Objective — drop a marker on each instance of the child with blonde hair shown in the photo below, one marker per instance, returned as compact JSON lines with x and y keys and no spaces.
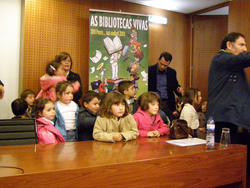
{"x":54,"y":74}
{"x":45,"y":113}
{"x":147,"y":117}
{"x":66,"y":111}
{"x":115,"y":123}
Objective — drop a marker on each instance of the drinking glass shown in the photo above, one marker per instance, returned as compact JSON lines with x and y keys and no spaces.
{"x":225,"y":138}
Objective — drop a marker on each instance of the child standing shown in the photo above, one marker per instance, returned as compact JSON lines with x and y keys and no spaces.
{"x":115,"y":123}
{"x":201,"y":132}
{"x":66,"y":111}
{"x":127,"y":89}
{"x":147,"y":117}
{"x":54,"y":74}
{"x":45,"y":113}
{"x":188,"y":113}
{"x":29,"y":96}
{"x":87,"y":115}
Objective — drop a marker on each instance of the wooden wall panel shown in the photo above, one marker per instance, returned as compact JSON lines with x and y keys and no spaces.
{"x":238,"y":20}
{"x":208,"y":34}
{"x":53,"y":26}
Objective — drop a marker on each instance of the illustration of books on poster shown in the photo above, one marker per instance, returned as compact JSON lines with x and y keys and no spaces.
{"x":112,"y":46}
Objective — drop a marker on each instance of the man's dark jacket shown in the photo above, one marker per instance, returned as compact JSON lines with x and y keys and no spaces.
{"x":73,"y":77}
{"x":228,"y":89}
{"x":172,"y":83}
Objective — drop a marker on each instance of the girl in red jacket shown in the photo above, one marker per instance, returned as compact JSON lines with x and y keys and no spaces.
{"x":45,"y":113}
{"x":148,"y":120}
{"x":54,"y":74}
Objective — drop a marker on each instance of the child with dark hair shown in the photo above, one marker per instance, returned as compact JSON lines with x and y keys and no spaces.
{"x":189,"y":113}
{"x":19,"y":108}
{"x":45,"y":113}
{"x":201,"y":131}
{"x":179,"y":105}
{"x":54,"y":74}
{"x":147,"y":117}
{"x":115,"y":123}
{"x":127,"y":89}
{"x":87,"y":115}
{"x":30,"y":97}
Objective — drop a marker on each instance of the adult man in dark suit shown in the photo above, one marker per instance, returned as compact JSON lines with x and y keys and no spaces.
{"x":229,"y":92}
{"x":162,"y":79}
{"x":228,"y":87}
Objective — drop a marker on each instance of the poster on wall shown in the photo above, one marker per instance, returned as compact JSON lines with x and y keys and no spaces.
{"x":118,"y":50}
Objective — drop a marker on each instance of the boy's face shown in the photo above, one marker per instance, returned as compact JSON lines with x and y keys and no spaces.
{"x":131,"y":91}
{"x":93,"y":105}
{"x":30,"y":99}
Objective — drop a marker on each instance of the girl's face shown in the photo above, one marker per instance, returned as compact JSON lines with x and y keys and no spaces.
{"x":118,"y":109}
{"x":153,"y":108}
{"x":204,"y":107}
{"x":60,"y":71}
{"x":67,"y":96}
{"x":49,"y":111}
{"x":93,"y":105}
{"x":198,"y":98}
{"x":66,"y":64}
{"x":30,"y":99}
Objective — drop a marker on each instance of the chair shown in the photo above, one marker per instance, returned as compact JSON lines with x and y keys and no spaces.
{"x":17,"y":132}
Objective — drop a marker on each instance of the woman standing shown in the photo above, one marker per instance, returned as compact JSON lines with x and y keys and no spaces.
{"x":66,"y":61}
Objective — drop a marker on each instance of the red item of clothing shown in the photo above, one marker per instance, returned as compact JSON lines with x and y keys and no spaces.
{"x":47,"y":133}
{"x":145,"y":123}
{"x":48,"y":85}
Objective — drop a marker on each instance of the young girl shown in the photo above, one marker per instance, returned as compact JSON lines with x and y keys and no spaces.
{"x":115,"y":123}
{"x":188,"y":113}
{"x":45,"y":113}
{"x":66,"y":111}
{"x":201,"y":132}
{"x":147,"y":117}
{"x":54,"y":74}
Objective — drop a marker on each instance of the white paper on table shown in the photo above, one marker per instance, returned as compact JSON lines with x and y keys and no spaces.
{"x":187,"y":142}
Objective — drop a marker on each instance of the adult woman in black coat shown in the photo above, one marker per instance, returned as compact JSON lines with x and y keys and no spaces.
{"x":66,"y":61}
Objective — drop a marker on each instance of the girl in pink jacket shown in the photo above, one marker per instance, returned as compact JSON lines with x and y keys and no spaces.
{"x":45,"y":113}
{"x":148,"y":120}
{"x":54,"y":74}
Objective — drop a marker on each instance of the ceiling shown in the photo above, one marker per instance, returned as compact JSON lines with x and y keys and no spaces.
{"x":184,"y":6}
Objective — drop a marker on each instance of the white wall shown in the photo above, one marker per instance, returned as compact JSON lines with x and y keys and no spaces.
{"x":10,"y":30}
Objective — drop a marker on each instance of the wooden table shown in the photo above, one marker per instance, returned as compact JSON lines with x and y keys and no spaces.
{"x":145,"y":162}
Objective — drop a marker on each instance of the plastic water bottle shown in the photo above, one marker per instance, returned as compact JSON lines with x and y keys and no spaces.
{"x":210,"y":133}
